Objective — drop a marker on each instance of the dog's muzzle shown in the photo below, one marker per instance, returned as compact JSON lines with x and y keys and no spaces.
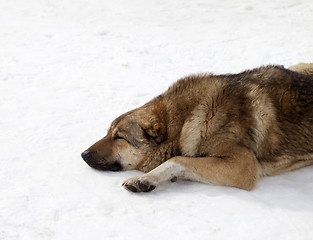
{"x":88,"y":158}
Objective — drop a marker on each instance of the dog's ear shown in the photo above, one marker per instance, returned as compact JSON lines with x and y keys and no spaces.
{"x":156,"y":131}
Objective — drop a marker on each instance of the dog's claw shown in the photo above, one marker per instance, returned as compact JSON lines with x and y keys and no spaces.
{"x":145,"y":187}
{"x":152,"y":187}
{"x":130,"y":188}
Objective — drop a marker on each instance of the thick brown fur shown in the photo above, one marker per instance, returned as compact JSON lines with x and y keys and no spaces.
{"x":222,"y":129}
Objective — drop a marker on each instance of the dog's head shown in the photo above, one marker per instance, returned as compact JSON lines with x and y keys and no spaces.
{"x":130,"y":139}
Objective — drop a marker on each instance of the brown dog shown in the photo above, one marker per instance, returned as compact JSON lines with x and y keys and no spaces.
{"x":225,"y":129}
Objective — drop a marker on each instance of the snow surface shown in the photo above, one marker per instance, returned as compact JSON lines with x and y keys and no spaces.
{"x":69,"y":67}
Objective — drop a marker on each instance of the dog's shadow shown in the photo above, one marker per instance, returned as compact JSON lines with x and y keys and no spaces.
{"x":292,"y":191}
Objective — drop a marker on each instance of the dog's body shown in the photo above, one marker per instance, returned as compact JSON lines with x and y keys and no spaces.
{"x":226,"y":129}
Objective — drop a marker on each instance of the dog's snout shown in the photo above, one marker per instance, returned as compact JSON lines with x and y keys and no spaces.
{"x":86,"y":155}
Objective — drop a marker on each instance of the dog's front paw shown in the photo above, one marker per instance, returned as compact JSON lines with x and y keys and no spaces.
{"x":136,"y":184}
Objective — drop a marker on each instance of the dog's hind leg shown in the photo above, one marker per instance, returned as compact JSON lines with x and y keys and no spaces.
{"x":238,"y":169}
{"x":304,"y":68}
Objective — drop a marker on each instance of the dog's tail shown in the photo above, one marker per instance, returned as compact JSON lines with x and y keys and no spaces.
{"x":304,"y":68}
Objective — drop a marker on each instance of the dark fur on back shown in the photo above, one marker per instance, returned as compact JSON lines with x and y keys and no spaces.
{"x":290,"y":93}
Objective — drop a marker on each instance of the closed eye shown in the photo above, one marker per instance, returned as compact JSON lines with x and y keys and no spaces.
{"x":122,"y":136}
{"x":117,"y":136}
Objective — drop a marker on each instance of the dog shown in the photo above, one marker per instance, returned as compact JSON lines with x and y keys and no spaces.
{"x":219,"y":129}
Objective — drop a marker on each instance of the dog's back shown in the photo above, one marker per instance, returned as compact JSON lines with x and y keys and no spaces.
{"x":267,"y":110}
{"x":282,"y":103}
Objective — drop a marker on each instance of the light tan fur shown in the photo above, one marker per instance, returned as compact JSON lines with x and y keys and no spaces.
{"x":227,"y":130}
{"x":304,"y":68}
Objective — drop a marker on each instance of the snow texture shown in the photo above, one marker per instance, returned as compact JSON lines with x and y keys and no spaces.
{"x":69,"y":67}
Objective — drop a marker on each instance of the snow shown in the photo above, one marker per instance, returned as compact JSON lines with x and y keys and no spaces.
{"x":69,"y":67}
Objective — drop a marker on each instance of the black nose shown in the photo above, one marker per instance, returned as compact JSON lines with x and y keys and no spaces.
{"x":86,"y":155}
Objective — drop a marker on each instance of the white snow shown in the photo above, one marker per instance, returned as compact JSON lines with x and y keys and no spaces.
{"x":69,"y":67}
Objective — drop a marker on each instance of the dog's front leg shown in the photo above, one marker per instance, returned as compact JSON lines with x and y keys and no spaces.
{"x":169,"y":170}
{"x":238,"y":169}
